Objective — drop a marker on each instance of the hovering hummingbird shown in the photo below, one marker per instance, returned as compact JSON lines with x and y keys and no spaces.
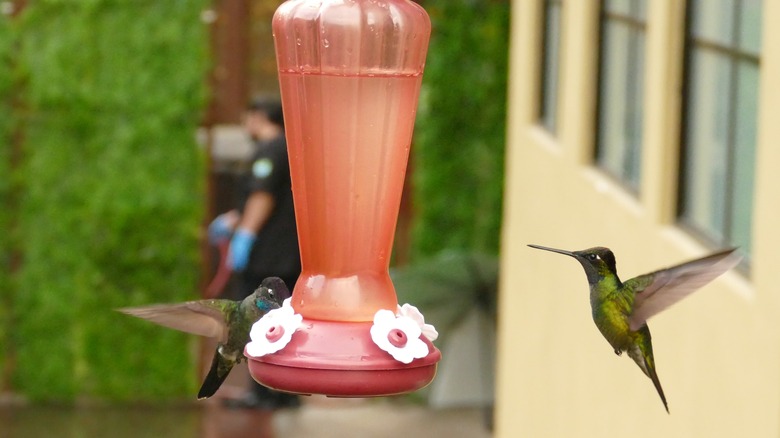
{"x":621,"y":309}
{"x":227,"y":321}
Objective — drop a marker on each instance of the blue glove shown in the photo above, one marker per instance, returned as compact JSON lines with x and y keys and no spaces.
{"x":240,"y":247}
{"x":220,"y":229}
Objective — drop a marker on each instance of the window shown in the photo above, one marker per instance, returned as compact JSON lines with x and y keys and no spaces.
{"x":551,"y":42}
{"x":620,"y":99}
{"x":719,"y":120}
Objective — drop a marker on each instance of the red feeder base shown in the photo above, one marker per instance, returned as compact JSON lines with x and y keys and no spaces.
{"x":339,"y":359}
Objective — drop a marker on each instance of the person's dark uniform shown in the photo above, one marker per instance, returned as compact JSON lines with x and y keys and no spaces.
{"x":275,"y":252}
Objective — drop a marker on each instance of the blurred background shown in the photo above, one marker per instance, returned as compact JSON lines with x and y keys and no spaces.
{"x":645,"y":126}
{"x":121,"y":139}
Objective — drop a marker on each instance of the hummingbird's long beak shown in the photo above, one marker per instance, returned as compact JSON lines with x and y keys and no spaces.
{"x":559,"y":251}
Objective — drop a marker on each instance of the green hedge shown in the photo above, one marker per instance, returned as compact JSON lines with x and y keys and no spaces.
{"x":6,"y":81}
{"x":459,"y":139}
{"x":111,"y":196}
{"x":110,"y":187}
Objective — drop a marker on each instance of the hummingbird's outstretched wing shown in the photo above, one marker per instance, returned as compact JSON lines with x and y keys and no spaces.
{"x":661,"y":289}
{"x":203,"y":317}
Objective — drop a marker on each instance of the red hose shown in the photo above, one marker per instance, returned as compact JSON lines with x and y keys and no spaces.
{"x":221,"y":278}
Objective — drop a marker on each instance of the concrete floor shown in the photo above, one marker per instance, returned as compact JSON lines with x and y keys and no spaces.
{"x":319,"y":417}
{"x":380,"y":418}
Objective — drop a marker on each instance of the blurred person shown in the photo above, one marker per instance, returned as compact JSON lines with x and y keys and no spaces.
{"x":262,"y":232}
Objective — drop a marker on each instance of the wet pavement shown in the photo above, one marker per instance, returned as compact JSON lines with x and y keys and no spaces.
{"x":318,"y":417}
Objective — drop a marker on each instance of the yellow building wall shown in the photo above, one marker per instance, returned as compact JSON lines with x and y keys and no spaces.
{"x":718,"y":351}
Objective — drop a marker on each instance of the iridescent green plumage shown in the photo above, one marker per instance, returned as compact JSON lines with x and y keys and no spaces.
{"x":227,"y":321}
{"x":620,"y":309}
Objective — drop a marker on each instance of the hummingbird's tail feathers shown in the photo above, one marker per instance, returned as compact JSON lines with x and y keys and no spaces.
{"x":657,"y":383}
{"x":220,"y":368}
{"x":642,"y":353}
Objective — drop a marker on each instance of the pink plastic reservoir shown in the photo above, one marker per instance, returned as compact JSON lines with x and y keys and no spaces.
{"x":350,"y":74}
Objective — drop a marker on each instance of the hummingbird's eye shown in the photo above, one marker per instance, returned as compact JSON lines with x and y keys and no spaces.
{"x":593,"y":257}
{"x":271,"y":292}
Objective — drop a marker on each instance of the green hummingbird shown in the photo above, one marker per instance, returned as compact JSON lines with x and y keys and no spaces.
{"x":228,"y":321}
{"x":621,"y":309}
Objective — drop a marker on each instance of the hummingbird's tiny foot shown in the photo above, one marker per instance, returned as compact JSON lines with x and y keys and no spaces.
{"x":618,"y":352}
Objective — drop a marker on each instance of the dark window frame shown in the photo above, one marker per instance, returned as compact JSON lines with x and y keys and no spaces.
{"x":634,"y":24}
{"x":548,"y":115}
{"x":735,"y":56}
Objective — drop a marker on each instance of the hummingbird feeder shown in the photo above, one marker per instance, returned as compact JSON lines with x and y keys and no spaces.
{"x":350,"y":74}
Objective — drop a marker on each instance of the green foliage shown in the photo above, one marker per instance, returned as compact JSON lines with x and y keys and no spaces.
{"x":449,"y":286}
{"x":6,"y":81}
{"x":459,"y":140}
{"x":111,"y":195}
